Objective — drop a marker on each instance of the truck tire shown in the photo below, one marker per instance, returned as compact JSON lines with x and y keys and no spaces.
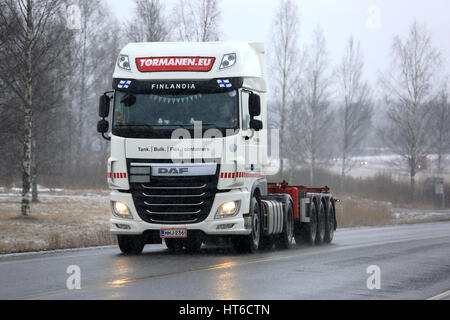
{"x":174,"y":245}
{"x":131,"y":244}
{"x":284,"y":240}
{"x":193,"y":244}
{"x":267,"y":243}
{"x":321,"y":224}
{"x":331,"y":224}
{"x":307,"y":232}
{"x":252,"y":242}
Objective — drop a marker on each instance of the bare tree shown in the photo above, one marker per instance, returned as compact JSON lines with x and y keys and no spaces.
{"x":355,"y":113}
{"x":148,"y":23}
{"x":197,"y":20}
{"x":84,"y":43}
{"x":285,"y":65}
{"x":25,"y":24}
{"x":60,"y":122}
{"x":96,"y":27}
{"x":409,"y":88}
{"x":440,"y":128}
{"x":315,"y":88}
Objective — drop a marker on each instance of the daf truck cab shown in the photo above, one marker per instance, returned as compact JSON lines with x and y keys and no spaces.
{"x":187,"y":123}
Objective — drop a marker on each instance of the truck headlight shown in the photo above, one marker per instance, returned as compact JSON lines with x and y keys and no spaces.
{"x":228,"y":209}
{"x":228,"y":61}
{"x":120,"y":209}
{"x":124,"y":62}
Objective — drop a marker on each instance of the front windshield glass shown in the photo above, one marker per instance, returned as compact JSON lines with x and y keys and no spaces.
{"x":157,"y":115}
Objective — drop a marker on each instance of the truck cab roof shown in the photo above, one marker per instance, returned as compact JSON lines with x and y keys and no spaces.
{"x":187,"y":60}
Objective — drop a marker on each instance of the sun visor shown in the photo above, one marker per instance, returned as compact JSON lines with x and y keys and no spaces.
{"x":182,"y":86}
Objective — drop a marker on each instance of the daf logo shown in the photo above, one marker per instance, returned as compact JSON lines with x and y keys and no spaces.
{"x":174,"y":171}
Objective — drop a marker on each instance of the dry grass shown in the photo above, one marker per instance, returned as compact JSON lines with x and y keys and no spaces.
{"x":54,"y":224}
{"x":355,"y":212}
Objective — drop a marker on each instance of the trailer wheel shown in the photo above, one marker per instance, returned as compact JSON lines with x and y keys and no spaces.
{"x":307,"y":232}
{"x":131,"y":244}
{"x":330,"y":225}
{"x":321,"y":224}
{"x":174,"y":245}
{"x":284,"y":240}
{"x":252,"y":242}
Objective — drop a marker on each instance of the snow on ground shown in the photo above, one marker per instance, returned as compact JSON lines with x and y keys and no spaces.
{"x":56,"y":196}
{"x":56,"y":193}
{"x":413,"y":214}
{"x":67,"y":220}
{"x":39,"y":187}
{"x":366,"y":166}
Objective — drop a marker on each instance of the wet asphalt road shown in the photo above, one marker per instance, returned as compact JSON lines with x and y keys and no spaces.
{"x":414,"y":263}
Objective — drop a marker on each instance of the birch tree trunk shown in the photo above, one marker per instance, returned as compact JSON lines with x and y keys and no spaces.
{"x":312,"y":164}
{"x":28,"y":119}
{"x":34,"y":171}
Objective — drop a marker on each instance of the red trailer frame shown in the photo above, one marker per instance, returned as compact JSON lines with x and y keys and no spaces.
{"x":293,"y":191}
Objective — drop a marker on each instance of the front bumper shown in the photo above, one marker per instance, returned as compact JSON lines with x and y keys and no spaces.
{"x":227,"y":226}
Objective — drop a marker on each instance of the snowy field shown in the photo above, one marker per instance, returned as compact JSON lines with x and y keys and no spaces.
{"x":402,"y":214}
{"x":366,"y":166}
{"x":61,"y":219}
{"x":55,"y":193}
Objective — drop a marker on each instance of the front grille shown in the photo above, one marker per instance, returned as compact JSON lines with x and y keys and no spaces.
{"x":174,"y":200}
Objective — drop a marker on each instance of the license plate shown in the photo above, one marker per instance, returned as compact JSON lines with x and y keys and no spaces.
{"x":173,"y":233}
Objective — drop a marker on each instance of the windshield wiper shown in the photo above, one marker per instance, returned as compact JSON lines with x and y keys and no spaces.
{"x":175,"y":125}
{"x":125,"y":126}
{"x":188,"y":125}
{"x":137,"y":131}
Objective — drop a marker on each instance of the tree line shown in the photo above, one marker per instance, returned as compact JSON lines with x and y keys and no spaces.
{"x":57,"y":57}
{"x":327,"y":111}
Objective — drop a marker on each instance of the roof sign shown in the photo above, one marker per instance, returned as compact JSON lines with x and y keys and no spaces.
{"x":164,"y":64}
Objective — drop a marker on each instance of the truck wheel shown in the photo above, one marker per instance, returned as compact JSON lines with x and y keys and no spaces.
{"x":284,"y":240}
{"x":193,"y":244}
{"x":252,"y":242}
{"x":330,"y":225}
{"x":307,"y":232}
{"x":131,"y":244}
{"x":174,"y":245}
{"x":267,"y":243}
{"x":321,"y":224}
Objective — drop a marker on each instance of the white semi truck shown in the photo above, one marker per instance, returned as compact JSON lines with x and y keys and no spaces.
{"x":188,"y":129}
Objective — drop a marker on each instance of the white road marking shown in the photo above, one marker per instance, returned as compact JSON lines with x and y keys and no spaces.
{"x":440,"y":296}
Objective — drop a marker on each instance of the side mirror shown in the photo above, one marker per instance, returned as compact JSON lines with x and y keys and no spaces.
{"x":103,"y":107}
{"x":254,"y":105}
{"x":102,"y":126}
{"x":256,"y":125}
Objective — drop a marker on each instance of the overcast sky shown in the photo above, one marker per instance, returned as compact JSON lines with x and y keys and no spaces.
{"x":372,"y":22}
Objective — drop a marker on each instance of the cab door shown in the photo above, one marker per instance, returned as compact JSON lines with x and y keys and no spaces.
{"x":251,"y":140}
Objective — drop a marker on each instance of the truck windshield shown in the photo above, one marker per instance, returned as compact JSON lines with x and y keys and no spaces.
{"x":157,"y":115}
